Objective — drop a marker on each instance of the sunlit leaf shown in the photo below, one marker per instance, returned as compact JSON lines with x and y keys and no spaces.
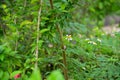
{"x":43,"y":31}
{"x":55,"y":75}
{"x":36,"y":75}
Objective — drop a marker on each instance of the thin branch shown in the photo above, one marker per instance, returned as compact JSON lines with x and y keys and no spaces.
{"x":51,"y":4}
{"x":62,"y":46}
{"x":16,"y":41}
{"x":38,"y":36}
{"x":25,"y":3}
{"x":63,"y":52}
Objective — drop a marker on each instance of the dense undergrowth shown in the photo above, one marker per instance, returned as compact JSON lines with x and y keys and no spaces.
{"x":67,"y":43}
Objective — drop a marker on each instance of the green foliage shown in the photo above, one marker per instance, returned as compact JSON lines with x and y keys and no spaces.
{"x":97,"y":58}
{"x":55,"y":75}
{"x":91,"y":54}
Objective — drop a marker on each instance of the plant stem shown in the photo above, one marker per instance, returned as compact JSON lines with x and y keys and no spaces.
{"x":63,"y":53}
{"x":16,"y":41}
{"x":25,"y":3}
{"x":38,"y":36}
{"x":62,"y":46}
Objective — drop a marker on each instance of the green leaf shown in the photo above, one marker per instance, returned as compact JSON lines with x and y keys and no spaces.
{"x":1,"y":73}
{"x":101,"y":5}
{"x":63,"y":6}
{"x":5,"y":76}
{"x":35,"y":75}
{"x":33,"y":1}
{"x":45,"y":18}
{"x":40,"y":43}
{"x":4,"y":6}
{"x":55,"y":75}
{"x":44,"y":30}
{"x":26,"y":22}
{"x":92,"y":9}
{"x":2,"y":57}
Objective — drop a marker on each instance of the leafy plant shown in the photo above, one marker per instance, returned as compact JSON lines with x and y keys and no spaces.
{"x":46,"y":39}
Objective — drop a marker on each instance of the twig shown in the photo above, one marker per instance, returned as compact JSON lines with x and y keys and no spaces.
{"x":62,"y":46}
{"x":25,"y":3}
{"x":38,"y":36}
{"x":16,"y":41}
{"x":63,"y":53}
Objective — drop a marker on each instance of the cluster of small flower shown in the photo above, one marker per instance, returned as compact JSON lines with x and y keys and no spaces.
{"x":99,"y":40}
{"x":68,"y":37}
{"x":92,"y":42}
